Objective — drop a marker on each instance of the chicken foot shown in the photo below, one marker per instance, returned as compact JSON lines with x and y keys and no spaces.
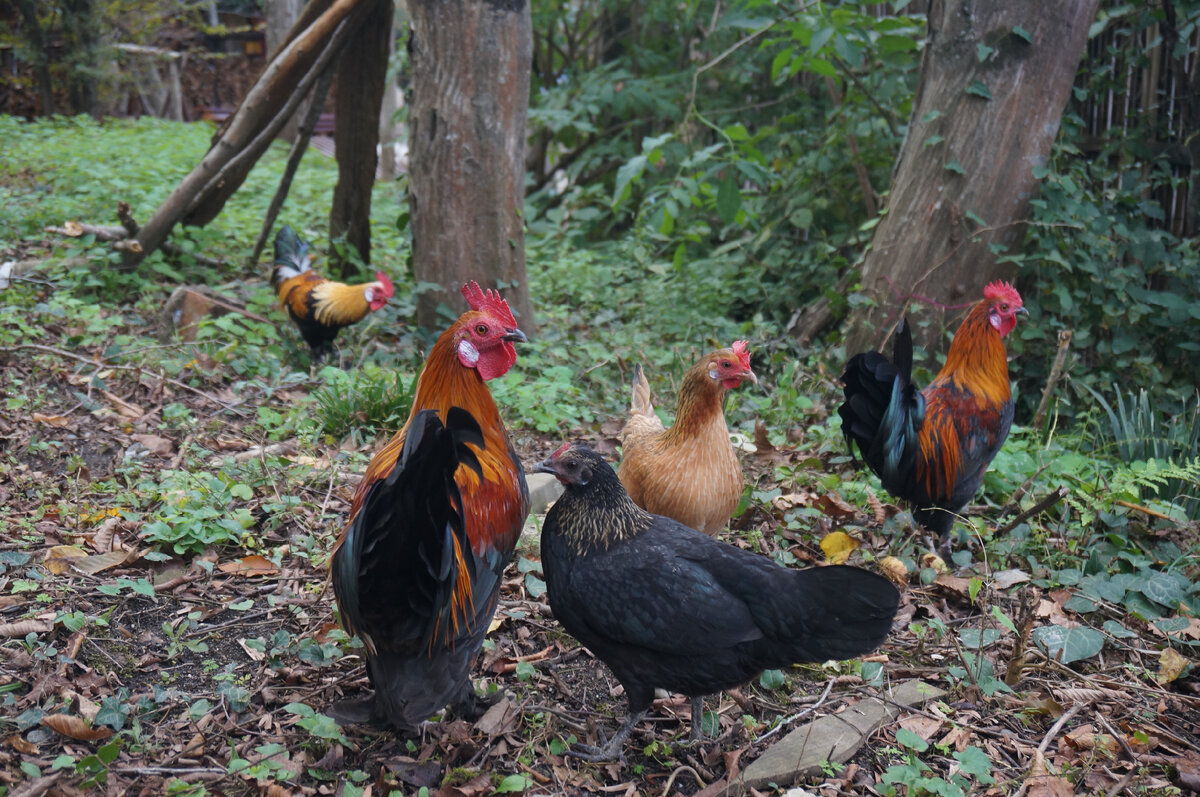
{"x":611,"y":751}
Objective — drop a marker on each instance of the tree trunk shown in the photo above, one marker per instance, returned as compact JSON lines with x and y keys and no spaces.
{"x":470,"y":64}
{"x":281,"y":15}
{"x":361,"y":74}
{"x":41,"y":65}
{"x":994,"y":80}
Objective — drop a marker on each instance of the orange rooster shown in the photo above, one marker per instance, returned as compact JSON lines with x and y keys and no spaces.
{"x":690,"y":472}
{"x":320,"y":307}
{"x":931,"y":447}
{"x":432,"y":525}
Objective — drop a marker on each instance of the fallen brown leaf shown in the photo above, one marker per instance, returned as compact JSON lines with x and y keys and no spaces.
{"x":498,"y":719}
{"x":155,"y":444}
{"x":1085,"y":738}
{"x":102,"y":561}
{"x":24,"y":628}
{"x":253,"y":565}
{"x":123,"y":407}
{"x":21,"y":744}
{"x":60,"y":558}
{"x":50,"y":420}
{"x":75,"y":728}
{"x":1041,"y":783}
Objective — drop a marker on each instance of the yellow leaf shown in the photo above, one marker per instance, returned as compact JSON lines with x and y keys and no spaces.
{"x":59,"y":558}
{"x":894,"y":569}
{"x":1170,"y":665}
{"x":838,"y":546}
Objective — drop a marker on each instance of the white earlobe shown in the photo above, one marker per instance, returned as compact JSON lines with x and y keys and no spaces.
{"x":467,"y":353}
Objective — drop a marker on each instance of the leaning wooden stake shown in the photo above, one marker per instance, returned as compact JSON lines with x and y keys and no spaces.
{"x":260,"y":106}
{"x":303,"y":136}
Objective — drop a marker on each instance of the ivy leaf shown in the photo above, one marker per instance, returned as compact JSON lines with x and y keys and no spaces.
{"x":1022,"y":33}
{"x":1164,"y":589}
{"x":772,"y":679}
{"x":974,"y":761}
{"x":978,"y":88}
{"x":910,"y":740}
{"x":1075,"y":644}
{"x":982,"y":51}
{"x":954,"y":166}
{"x":534,"y":586}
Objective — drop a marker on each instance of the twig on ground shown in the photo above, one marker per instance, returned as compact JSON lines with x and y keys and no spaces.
{"x":1041,"y":506}
{"x":1143,"y":509}
{"x":799,"y":714}
{"x":675,"y":774}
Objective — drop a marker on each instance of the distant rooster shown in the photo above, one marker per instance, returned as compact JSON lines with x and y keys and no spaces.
{"x":320,"y":307}
{"x":931,"y":447}
{"x":432,"y":525}
{"x":666,"y":606}
{"x":689,"y":472}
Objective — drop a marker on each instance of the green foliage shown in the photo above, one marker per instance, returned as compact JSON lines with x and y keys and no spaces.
{"x":717,"y":196}
{"x":974,"y":770}
{"x":197,"y":510}
{"x":1099,"y":258}
{"x":366,"y":401}
{"x":1155,"y":451}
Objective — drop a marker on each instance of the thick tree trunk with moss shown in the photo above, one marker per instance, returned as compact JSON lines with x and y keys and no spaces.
{"x":994,"y":80}
{"x":470,"y":63}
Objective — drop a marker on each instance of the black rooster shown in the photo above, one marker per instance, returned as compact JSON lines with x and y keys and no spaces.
{"x":666,"y":606}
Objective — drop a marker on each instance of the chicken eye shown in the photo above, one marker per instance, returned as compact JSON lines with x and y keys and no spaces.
{"x":1004,"y":308}
{"x":725,"y":364}
{"x":481,"y":329}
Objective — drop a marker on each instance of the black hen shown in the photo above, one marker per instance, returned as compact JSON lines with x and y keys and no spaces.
{"x":394,"y":589}
{"x":666,"y":606}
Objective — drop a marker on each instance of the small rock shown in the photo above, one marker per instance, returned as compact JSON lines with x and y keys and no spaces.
{"x":544,"y":490}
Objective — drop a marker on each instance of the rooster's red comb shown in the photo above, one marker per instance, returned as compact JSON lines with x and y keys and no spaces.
{"x":743,"y":353}
{"x":1001,"y":290}
{"x":488,"y":301}
{"x":387,"y":289}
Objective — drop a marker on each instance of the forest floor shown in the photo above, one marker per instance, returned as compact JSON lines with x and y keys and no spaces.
{"x":140,"y":674}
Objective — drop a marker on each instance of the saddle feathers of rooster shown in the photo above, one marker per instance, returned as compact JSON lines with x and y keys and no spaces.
{"x":418,"y":506}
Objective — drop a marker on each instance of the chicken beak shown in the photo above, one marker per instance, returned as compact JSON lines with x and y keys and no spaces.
{"x":515,"y":336}
{"x":545,"y":467}
{"x":750,"y":375}
{"x":1021,"y":310}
